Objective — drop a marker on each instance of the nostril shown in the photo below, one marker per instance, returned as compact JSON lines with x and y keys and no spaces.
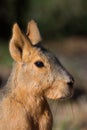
{"x":70,"y":84}
{"x":72,"y":79}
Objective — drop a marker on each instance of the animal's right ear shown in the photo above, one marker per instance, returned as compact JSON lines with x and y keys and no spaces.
{"x":33,"y":32}
{"x":19,"y":45}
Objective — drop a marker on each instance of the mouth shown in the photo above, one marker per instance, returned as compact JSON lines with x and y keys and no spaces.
{"x":63,"y":91}
{"x":67,"y":96}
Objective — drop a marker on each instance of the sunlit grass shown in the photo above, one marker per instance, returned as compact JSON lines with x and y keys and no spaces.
{"x":65,"y":125}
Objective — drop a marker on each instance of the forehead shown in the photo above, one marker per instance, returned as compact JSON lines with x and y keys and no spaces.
{"x":45,"y":54}
{"x":39,"y":52}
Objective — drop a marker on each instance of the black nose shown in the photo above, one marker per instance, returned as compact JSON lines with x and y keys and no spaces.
{"x":70,"y":83}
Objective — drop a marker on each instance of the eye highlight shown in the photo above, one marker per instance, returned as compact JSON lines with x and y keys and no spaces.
{"x":39,"y":64}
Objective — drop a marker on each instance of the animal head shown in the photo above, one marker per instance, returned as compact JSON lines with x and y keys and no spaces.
{"x":38,"y":70}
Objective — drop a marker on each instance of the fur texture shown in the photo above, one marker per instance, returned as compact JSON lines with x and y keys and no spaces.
{"x":37,"y":74}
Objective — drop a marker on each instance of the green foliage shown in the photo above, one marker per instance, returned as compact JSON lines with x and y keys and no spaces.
{"x":5,"y":59}
{"x":55,"y":17}
{"x":60,"y":16}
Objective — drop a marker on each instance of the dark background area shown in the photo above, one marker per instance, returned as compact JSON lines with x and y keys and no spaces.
{"x":55,"y":17}
{"x":63,"y":25}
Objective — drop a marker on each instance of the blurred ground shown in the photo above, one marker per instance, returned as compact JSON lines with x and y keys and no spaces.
{"x":72,"y":52}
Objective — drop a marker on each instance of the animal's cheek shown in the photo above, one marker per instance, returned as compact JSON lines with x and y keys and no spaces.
{"x":59,"y":90}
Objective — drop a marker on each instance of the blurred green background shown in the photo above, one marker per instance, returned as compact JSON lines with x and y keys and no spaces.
{"x":55,"y":17}
{"x":63,"y":25}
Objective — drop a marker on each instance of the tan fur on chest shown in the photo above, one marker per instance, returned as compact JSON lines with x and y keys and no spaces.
{"x":25,"y":113}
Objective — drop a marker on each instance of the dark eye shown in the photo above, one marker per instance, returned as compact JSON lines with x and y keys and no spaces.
{"x":39,"y":64}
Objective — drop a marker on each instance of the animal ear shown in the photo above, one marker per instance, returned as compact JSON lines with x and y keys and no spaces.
{"x":33,"y":32}
{"x":19,"y":45}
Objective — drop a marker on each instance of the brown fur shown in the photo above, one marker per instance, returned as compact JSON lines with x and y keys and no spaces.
{"x":23,"y":104}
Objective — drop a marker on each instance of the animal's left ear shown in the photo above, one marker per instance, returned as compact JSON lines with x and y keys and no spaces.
{"x":33,"y":32}
{"x":19,"y":46}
